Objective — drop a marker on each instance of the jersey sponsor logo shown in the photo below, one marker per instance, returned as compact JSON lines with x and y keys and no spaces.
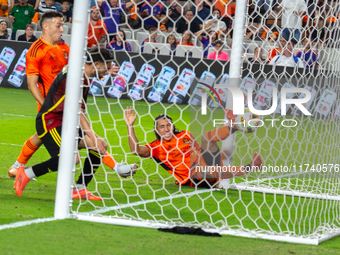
{"x":186,"y":140}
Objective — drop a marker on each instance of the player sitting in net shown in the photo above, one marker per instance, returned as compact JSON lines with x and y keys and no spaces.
{"x":179,"y":153}
{"x":49,"y":126}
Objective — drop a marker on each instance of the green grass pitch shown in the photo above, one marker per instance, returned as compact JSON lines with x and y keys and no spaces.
{"x":253,"y":211}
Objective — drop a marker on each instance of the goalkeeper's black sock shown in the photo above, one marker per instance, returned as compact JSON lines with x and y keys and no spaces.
{"x":48,"y":166}
{"x":93,"y":160}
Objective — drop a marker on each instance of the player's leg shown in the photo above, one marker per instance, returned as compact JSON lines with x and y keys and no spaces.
{"x":52,"y":143}
{"x":28,"y":149}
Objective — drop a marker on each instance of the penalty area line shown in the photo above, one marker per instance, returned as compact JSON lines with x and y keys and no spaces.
{"x":25,"y":223}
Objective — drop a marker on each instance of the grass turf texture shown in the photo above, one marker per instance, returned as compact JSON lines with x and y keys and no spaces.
{"x":17,"y":124}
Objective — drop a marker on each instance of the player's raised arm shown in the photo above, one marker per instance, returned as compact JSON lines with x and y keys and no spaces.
{"x":135,"y":148}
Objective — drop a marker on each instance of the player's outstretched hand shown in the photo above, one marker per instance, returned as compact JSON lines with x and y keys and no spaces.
{"x":102,"y":146}
{"x":114,"y":70}
{"x":129,"y":117}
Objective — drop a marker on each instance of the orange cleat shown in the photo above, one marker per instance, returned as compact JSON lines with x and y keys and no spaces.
{"x":85,"y":194}
{"x":21,"y":180}
{"x":12,"y":172}
{"x":256,"y":162}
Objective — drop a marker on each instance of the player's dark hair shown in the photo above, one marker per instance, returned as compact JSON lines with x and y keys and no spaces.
{"x":50,"y":15}
{"x":187,"y":12}
{"x":175,"y":131}
{"x":101,"y":55}
{"x":65,"y":1}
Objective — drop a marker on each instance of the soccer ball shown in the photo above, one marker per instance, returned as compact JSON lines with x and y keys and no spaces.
{"x":248,"y":122}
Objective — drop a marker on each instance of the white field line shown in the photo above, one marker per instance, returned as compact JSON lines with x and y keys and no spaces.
{"x":25,"y":223}
{"x":17,"y":115}
{"x":117,"y":207}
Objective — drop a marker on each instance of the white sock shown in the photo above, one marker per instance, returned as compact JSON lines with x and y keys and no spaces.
{"x":17,"y":164}
{"x":29,"y":172}
{"x":80,"y":187}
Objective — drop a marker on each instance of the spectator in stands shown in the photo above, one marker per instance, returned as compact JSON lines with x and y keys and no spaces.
{"x":20,"y":16}
{"x":165,"y":24}
{"x":3,"y":8}
{"x":3,"y":30}
{"x":119,"y":43}
{"x":226,"y":8}
{"x":113,"y":12}
{"x":175,"y":10}
{"x":28,"y":36}
{"x":34,"y":3}
{"x":286,"y":58}
{"x":258,"y":52}
{"x":200,"y":12}
{"x":48,"y":6}
{"x":152,"y":37}
{"x":207,"y":41}
{"x":277,"y":51}
{"x":219,"y":54}
{"x":171,"y":39}
{"x":216,"y":23}
{"x":291,"y":21}
{"x":317,"y":31}
{"x":308,"y":56}
{"x":96,"y":30}
{"x":151,"y":13}
{"x":67,"y":15}
{"x":187,"y":39}
{"x":187,"y":23}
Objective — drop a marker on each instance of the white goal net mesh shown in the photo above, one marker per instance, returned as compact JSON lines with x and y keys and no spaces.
{"x":287,"y":44}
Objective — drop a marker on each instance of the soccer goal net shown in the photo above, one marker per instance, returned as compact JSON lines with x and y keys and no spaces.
{"x":175,"y":58}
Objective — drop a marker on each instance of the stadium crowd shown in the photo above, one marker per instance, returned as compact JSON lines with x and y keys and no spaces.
{"x":304,"y":26}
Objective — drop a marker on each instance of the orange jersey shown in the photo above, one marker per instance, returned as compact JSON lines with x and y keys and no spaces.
{"x":46,"y":61}
{"x":272,"y":53}
{"x":177,"y":156}
{"x":95,"y":33}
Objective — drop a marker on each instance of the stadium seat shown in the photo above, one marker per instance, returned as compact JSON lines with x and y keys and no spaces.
{"x":9,"y":30}
{"x":128,"y":34}
{"x":141,"y":36}
{"x":66,"y":28}
{"x":19,"y":32}
{"x":35,"y":26}
{"x":37,"y":34}
{"x":67,"y":39}
{"x":135,"y":47}
{"x":181,"y":51}
{"x":164,"y":49}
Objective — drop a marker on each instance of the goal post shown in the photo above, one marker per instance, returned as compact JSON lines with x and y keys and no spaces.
{"x":294,"y":198}
{"x":68,"y":148}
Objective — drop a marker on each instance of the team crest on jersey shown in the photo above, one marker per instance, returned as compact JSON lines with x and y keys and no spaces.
{"x":186,"y":140}
{"x":26,"y":12}
{"x":65,"y":55}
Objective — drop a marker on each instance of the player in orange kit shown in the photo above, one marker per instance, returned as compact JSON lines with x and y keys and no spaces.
{"x":44,"y":60}
{"x":180,"y":155}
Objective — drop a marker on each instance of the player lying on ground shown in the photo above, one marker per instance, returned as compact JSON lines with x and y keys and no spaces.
{"x":49,"y":126}
{"x":179,"y":153}
{"x":44,"y":60}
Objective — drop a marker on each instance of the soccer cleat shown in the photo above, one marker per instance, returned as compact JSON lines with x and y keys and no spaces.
{"x":12,"y":172}
{"x":125,"y":170}
{"x":21,"y":180}
{"x":256,"y":162}
{"x":85,"y":194}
